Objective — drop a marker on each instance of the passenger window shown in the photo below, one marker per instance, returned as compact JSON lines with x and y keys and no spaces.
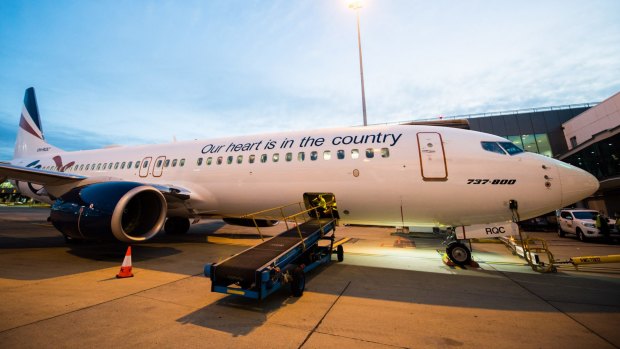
{"x":327,"y":155}
{"x":240,"y":159}
{"x":385,"y":152}
{"x":340,"y":154}
{"x":104,"y":166}
{"x":314,"y":155}
{"x":209,"y":160}
{"x":220,"y":160}
{"x":110,"y":166}
{"x":263,"y":158}
{"x":129,"y":164}
{"x":276,"y":157}
{"x":370,"y":153}
{"x":174,"y":163}
{"x":159,"y":163}
{"x":199,"y":162}
{"x":167,"y":163}
{"x":252,"y":158}
{"x":145,"y":164}
{"x":123,"y":165}
{"x":355,"y":153}
{"x":289,"y":156}
{"x":116,"y":165}
{"x":301,"y":156}
{"x":229,"y":160}
{"x":182,"y":162}
{"x":493,"y":147}
{"x":98,"y":166}
{"x":137,"y":164}
{"x":82,"y":167}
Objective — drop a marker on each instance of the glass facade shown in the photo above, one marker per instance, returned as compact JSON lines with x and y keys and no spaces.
{"x":601,"y":159}
{"x":535,"y":143}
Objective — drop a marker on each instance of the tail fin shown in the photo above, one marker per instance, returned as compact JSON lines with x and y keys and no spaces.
{"x":30,"y":139}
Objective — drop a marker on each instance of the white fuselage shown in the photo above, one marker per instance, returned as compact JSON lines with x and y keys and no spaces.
{"x":417,"y":175}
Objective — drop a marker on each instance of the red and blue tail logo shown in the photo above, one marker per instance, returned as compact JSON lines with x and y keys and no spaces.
{"x":30,"y":140}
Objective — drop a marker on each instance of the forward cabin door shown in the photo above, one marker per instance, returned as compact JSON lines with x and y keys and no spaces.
{"x":433,"y":165}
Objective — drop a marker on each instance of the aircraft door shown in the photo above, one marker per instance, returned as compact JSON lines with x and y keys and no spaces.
{"x":158,"y":166}
{"x":433,"y":165}
{"x":145,"y":166}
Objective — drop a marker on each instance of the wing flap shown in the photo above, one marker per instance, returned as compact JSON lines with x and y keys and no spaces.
{"x":38,"y":176}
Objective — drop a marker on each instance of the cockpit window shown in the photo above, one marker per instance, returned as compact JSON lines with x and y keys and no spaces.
{"x":511,"y":148}
{"x":492,"y":147}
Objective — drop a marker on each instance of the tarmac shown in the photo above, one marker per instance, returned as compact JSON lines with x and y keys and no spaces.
{"x":391,"y":291}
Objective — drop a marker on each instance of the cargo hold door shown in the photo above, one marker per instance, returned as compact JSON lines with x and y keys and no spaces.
{"x":432,"y":157}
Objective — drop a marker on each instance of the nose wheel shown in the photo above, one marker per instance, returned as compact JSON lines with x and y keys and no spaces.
{"x":458,"y":253}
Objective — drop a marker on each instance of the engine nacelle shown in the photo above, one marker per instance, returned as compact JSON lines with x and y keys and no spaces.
{"x":249,"y":222}
{"x":128,"y":211}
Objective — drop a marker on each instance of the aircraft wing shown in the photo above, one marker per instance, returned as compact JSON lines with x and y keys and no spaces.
{"x":67,"y":181}
{"x":38,"y":176}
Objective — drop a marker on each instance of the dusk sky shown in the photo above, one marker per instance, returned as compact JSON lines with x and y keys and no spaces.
{"x":133,"y":72}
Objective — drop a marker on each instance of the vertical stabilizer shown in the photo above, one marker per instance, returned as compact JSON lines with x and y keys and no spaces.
{"x":30,"y":140}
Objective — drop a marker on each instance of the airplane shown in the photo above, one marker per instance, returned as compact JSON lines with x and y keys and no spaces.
{"x":387,"y":175}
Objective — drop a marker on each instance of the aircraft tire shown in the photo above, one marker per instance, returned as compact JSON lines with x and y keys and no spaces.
{"x":299,"y":282}
{"x":458,"y":253}
{"x":69,"y":240}
{"x":560,"y":231}
{"x":176,"y":225}
{"x":582,"y":237}
{"x":340,"y":253}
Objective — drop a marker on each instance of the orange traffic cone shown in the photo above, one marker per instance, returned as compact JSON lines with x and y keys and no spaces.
{"x":126,"y":266}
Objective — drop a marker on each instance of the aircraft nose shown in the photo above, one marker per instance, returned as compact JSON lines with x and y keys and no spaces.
{"x":577,"y":184}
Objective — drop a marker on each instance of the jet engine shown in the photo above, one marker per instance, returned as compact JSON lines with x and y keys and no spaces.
{"x":128,"y":211}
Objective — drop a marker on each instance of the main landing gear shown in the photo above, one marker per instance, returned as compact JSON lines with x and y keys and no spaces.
{"x":176,"y":225}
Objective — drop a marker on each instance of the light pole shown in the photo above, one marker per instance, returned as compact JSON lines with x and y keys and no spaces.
{"x":357,"y":5}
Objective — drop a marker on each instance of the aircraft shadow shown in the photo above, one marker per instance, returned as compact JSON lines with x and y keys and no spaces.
{"x":240,"y":316}
{"x":491,"y":290}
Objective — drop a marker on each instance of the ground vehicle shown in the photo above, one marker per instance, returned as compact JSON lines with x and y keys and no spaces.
{"x":581,"y":223}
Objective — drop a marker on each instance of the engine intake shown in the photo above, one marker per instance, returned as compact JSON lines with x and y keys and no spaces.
{"x":128,"y":211}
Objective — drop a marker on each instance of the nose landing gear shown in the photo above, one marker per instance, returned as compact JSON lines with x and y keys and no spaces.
{"x":457,"y":252}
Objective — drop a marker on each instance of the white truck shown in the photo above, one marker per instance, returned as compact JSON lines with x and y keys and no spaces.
{"x":582,"y":223}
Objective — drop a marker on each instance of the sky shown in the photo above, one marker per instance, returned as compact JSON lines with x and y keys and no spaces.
{"x":141,"y":72}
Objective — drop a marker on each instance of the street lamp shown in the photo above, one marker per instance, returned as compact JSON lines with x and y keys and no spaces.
{"x":357,"y":5}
